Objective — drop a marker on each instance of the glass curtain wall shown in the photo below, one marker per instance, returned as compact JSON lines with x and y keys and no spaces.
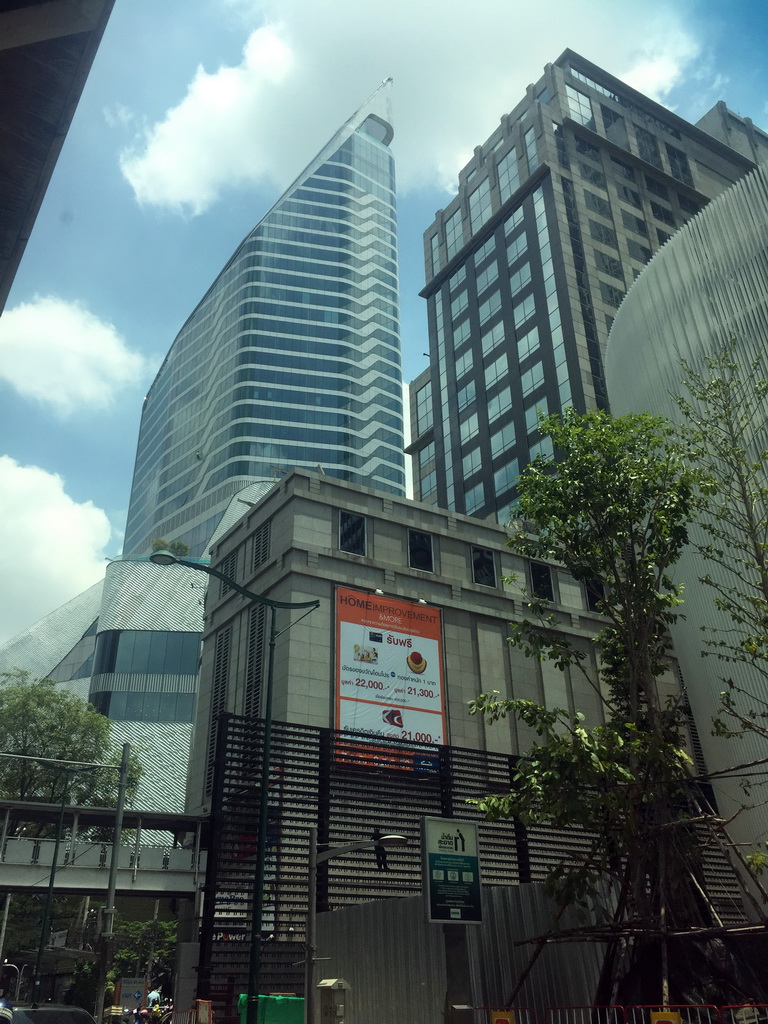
{"x":292,"y":359}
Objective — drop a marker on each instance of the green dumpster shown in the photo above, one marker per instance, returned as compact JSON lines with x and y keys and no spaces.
{"x":274,"y":1009}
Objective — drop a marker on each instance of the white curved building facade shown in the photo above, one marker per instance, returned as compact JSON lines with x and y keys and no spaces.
{"x":706,"y":286}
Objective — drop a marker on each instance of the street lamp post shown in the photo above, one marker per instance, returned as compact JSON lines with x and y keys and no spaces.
{"x":7,"y":963}
{"x":19,"y":977}
{"x":19,"y":981}
{"x":315,"y":859}
{"x":254,"y":965}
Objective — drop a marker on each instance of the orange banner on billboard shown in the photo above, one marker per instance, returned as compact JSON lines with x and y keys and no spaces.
{"x":389,"y":668}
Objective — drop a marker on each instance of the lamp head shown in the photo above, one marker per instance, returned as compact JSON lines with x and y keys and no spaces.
{"x":392,"y":840}
{"x":163,"y":558}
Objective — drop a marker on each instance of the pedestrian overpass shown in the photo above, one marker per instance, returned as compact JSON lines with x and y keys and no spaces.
{"x":162,"y":854}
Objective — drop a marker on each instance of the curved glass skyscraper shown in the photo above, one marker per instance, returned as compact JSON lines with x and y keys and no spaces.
{"x":293,"y":356}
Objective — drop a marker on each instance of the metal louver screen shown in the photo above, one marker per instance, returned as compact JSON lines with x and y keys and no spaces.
{"x":347,"y":788}
{"x":218,"y":698}
{"x":261,"y":541}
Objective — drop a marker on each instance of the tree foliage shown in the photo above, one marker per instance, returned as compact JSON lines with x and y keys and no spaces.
{"x":40,"y":720}
{"x":606,"y":779}
{"x":723,"y":424}
{"x":613,"y":510}
{"x":176,"y":547}
{"x":613,"y":507}
{"x":135,"y":942}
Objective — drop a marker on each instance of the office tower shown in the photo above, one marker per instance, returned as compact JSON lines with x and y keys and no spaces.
{"x":555,"y":216}
{"x":706,"y":291}
{"x":292,"y":358}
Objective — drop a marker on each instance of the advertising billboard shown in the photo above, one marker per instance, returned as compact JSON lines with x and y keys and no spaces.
{"x":389,"y":667}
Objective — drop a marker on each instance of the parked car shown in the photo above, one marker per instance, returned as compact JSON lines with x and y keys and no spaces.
{"x":51,"y":1013}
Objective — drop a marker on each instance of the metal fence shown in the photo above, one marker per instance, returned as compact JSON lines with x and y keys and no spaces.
{"x":746,"y":1013}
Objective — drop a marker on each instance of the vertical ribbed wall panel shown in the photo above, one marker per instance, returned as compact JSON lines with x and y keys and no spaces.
{"x":706,"y":287}
{"x":347,"y":788}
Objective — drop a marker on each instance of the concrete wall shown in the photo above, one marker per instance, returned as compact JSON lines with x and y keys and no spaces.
{"x":400,"y":968}
{"x":305,"y":563}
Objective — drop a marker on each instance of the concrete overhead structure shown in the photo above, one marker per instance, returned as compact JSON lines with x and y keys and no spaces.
{"x":312,"y":535}
{"x":46,"y":51}
{"x":707,"y":286}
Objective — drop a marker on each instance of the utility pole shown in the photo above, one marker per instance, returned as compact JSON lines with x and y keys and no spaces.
{"x":4,"y":925}
{"x":107,"y":936}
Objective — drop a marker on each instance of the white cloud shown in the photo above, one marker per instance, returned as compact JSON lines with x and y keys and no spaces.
{"x":119,"y":114}
{"x":51,"y":547}
{"x":658,"y":68}
{"x":206,"y":141}
{"x":457,"y":68}
{"x":60,"y":354}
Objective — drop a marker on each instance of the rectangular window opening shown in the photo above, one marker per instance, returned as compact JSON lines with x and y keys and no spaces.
{"x":352,"y":533}
{"x":541,"y":581}
{"x":420,"y":554}
{"x":483,"y":567}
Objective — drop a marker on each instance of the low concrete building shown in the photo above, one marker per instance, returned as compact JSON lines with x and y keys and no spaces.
{"x":372,"y":730}
{"x":313,"y":536}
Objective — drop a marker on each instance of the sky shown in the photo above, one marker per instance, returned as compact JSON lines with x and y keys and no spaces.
{"x":196,"y":116}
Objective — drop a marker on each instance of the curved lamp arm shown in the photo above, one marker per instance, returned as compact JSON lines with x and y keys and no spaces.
{"x":366,"y":844}
{"x":167,"y":558}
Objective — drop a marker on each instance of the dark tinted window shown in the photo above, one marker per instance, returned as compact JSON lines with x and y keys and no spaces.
{"x":608,"y":264}
{"x":592,"y":174}
{"x":603,"y":233}
{"x":483,"y":567}
{"x":678,"y":164}
{"x":595,"y":594}
{"x":632,"y":223}
{"x":629,"y":195}
{"x":637,"y":251}
{"x":147,"y":651}
{"x":420,"y":551}
{"x":611,"y":295}
{"x":106,"y":651}
{"x":541,"y":581}
{"x":597,"y":203}
{"x":656,"y":187}
{"x":352,"y":533}
{"x":663,"y":214}
{"x":648,"y":146}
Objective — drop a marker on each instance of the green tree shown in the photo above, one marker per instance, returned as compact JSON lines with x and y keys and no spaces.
{"x":723,"y":424}
{"x":135,"y":943}
{"x":41,"y":720}
{"x":176,"y":547}
{"x":615,"y":507}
